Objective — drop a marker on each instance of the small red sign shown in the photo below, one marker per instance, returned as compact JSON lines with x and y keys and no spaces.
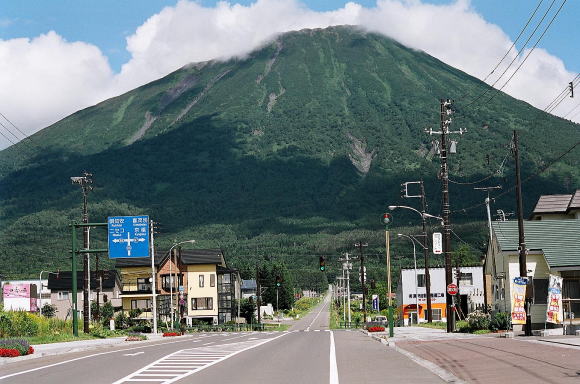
{"x":452,"y":289}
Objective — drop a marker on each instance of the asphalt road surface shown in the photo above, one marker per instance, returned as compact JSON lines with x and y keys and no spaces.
{"x":307,"y":353}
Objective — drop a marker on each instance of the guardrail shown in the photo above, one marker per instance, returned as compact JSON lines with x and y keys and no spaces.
{"x":347,"y":324}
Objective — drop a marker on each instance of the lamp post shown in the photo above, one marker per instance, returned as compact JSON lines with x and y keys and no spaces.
{"x":40,"y":289}
{"x":413,"y":240}
{"x":171,"y":281}
{"x":423,"y":215}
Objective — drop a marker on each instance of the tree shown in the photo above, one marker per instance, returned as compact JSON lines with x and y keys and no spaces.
{"x":248,"y":310}
{"x":48,"y":310}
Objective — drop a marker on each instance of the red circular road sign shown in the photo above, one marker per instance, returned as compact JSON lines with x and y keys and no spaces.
{"x":452,"y":289}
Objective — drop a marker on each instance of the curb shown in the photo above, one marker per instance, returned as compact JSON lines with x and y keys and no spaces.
{"x":434,"y":368}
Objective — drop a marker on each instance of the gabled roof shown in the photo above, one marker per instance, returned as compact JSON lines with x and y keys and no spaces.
{"x":140,"y":261}
{"x":557,"y":203}
{"x":559,"y":240}
{"x":63,"y":280}
{"x":202,"y":256}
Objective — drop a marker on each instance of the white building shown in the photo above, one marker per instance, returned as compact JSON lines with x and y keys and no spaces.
{"x":411,"y":293}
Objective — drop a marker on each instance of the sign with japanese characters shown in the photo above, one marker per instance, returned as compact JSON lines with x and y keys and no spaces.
{"x":554,"y":310}
{"x":518,"y":300}
{"x":437,"y":243}
{"x":128,"y":236}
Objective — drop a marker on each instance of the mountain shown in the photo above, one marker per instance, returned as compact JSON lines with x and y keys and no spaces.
{"x":292,"y":151}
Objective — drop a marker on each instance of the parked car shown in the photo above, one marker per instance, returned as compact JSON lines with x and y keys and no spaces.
{"x":380,"y":319}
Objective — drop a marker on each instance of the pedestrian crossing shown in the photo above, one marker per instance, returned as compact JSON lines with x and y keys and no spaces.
{"x":186,"y":362}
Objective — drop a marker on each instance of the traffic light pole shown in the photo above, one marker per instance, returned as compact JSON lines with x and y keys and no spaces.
{"x":390,"y":299}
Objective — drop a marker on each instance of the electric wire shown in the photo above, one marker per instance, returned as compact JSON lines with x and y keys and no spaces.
{"x":562,"y":96}
{"x":488,"y":89}
{"x":537,"y":173}
{"x":499,"y":171}
{"x":515,"y":41}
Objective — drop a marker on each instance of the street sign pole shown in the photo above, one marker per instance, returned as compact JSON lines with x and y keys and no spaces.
{"x":153,"y":282}
{"x":74,"y":281}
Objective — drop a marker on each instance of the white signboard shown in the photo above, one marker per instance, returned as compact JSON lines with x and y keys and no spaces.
{"x":437,"y":243}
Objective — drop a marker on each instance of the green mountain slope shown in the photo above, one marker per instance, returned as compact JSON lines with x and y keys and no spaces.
{"x":295,"y":149}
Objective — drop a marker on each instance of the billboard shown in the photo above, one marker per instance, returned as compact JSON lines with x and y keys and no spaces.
{"x":518,"y":300}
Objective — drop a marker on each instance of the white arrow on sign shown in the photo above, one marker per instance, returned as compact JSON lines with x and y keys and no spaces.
{"x":129,"y":240}
{"x":133,"y":354}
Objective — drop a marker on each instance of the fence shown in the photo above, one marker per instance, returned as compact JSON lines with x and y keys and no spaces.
{"x":225,"y":328}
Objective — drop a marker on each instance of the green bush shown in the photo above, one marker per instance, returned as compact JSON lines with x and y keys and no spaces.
{"x":478,"y":320}
{"x":24,"y":324}
{"x":121,"y":321}
{"x":48,"y":310}
{"x":462,"y":326}
{"x":500,"y":321}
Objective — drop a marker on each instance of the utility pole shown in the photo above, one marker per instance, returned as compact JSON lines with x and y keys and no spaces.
{"x":258,"y":293}
{"x":522,"y":240}
{"x":360,"y":246}
{"x":153,"y":278}
{"x":487,"y":205}
{"x":346,"y":267}
{"x":446,"y":110}
{"x":85,"y":182}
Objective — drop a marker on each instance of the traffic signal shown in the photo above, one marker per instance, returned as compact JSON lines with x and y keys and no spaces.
{"x":278,"y":281}
{"x":387,"y":218}
{"x":322,"y":263}
{"x":404,"y":190}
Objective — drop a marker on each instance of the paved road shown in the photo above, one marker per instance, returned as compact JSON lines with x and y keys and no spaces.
{"x":308,"y":353}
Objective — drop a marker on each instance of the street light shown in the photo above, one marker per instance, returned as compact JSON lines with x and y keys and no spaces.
{"x":413,"y":240}
{"x":171,"y":281}
{"x":40,"y":289}
{"x":423,"y":215}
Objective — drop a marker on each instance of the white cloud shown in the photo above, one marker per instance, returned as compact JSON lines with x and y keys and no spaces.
{"x":47,"y":78}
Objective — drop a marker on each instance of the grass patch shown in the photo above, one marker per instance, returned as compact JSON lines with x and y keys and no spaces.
{"x":59,"y":338}
{"x":334,"y":319}
{"x":434,"y":325}
{"x":276,"y":327}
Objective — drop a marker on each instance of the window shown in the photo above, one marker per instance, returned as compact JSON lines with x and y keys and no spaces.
{"x":201,"y":281}
{"x":436,"y":313}
{"x":143,"y":284}
{"x":421,"y":280}
{"x":212,"y":280}
{"x":200,"y":303}
{"x":466,"y":279}
{"x":166,"y":281}
{"x":143,"y":304}
{"x":540,"y":291}
{"x":63,"y":295}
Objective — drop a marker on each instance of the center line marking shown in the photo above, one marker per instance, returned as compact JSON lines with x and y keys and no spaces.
{"x":333,"y":367}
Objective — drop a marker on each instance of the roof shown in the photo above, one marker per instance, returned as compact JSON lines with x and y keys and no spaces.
{"x":557,"y":203}
{"x":249,"y":284}
{"x":202,"y":256}
{"x":559,"y":240}
{"x":62,"y":281}
{"x":139,"y":261}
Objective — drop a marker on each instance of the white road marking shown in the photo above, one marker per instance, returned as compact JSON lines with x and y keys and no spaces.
{"x":133,"y":354}
{"x":86,"y":357}
{"x":186,"y":362}
{"x":333,"y":366}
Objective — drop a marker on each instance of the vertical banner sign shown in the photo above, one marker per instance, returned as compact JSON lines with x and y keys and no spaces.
{"x":437,"y":243}
{"x":518,"y":300}
{"x":375,"y":302}
{"x":554,"y":310}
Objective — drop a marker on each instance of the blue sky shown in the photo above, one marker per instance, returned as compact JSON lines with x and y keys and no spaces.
{"x":106,"y":23}
{"x":100,"y":49}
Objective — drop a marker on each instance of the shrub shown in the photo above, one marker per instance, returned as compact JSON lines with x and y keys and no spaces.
{"x":132,"y":336}
{"x":121,"y":321}
{"x":478,"y":320}
{"x":462,"y":326}
{"x":500,"y":321}
{"x":48,"y":310}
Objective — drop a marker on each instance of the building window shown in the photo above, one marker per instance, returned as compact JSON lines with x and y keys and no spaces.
{"x":200,"y":303}
{"x":201,"y":281}
{"x":63,"y":295}
{"x":212,"y":280}
{"x":436,"y":314}
{"x":540,"y":291}
{"x":143,"y":304}
{"x":143,"y":284}
{"x":167,"y":280}
{"x":421,"y":280}
{"x":466,"y":279}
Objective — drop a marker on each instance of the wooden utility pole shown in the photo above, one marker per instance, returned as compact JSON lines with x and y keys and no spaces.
{"x":258,"y":294}
{"x":360,"y":246}
{"x":522,"y":239}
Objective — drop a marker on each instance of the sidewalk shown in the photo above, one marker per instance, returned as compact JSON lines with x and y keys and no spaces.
{"x":491,"y":359}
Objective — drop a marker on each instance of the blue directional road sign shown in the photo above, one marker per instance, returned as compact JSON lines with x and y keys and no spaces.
{"x":128,"y":236}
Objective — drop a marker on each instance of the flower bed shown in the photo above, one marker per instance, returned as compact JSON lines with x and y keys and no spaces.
{"x":171,"y":334}
{"x":135,"y":337}
{"x":15,"y":348}
{"x":376,"y":329}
